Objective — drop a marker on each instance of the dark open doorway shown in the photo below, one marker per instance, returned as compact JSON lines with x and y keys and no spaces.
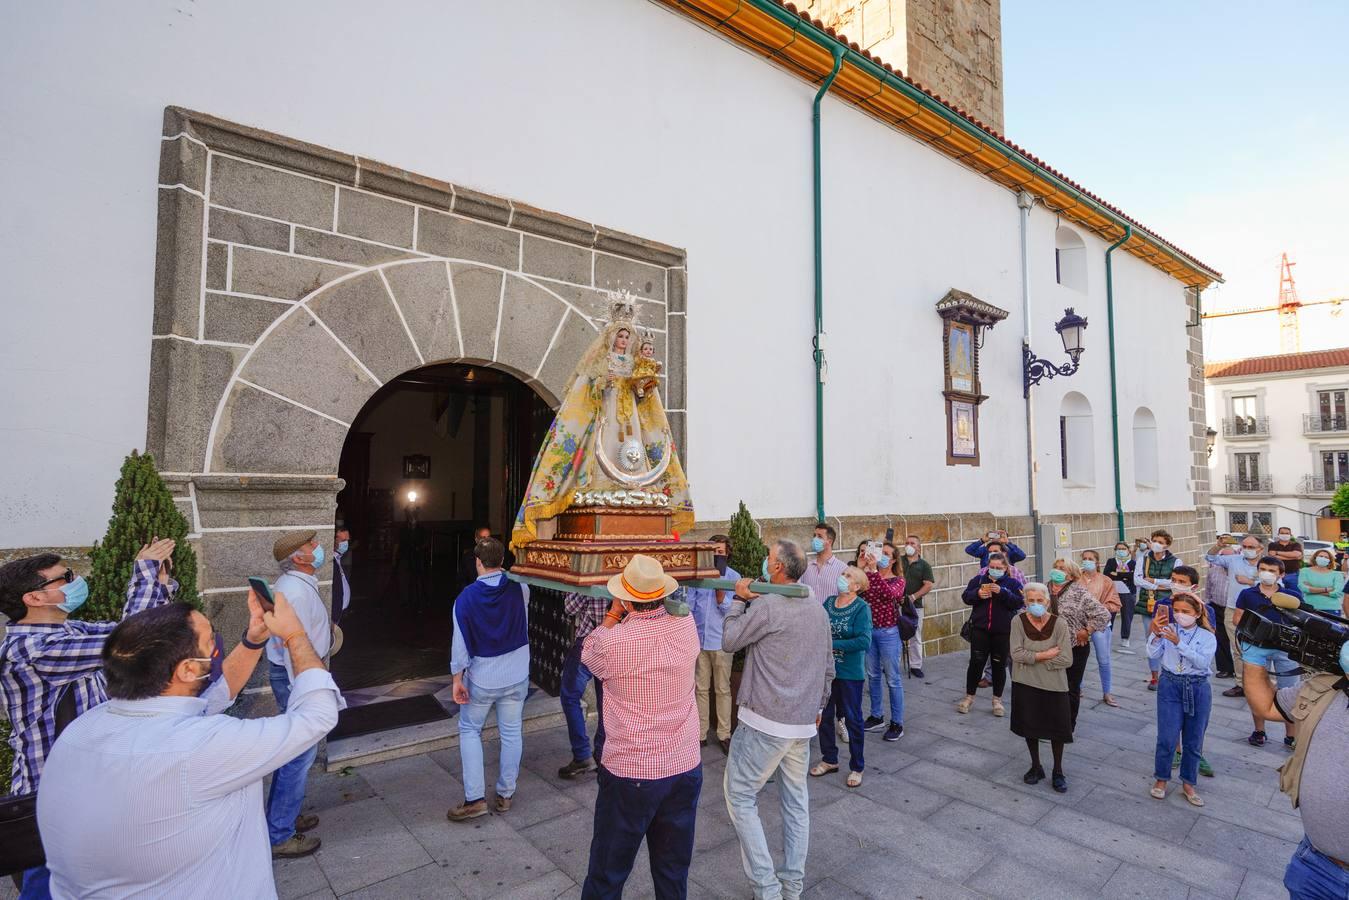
{"x":463,"y":438}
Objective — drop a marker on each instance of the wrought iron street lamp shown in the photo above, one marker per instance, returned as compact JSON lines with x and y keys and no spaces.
{"x":1070,"y":329}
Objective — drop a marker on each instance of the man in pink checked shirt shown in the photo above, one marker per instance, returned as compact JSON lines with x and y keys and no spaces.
{"x":651,"y":773}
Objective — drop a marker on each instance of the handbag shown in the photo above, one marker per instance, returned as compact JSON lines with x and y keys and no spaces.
{"x":907,"y":620}
{"x":967,"y":630}
{"x":20,"y":841}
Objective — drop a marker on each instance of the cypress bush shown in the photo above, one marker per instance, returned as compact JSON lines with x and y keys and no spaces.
{"x":142,"y":508}
{"x":748,"y":551}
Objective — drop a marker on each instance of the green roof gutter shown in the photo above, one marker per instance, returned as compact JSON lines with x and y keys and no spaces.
{"x":1114,"y":392}
{"x":820,"y":371}
{"x":840,"y":50}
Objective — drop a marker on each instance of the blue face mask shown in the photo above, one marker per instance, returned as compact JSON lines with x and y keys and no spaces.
{"x":318,"y":557}
{"x":1036,"y":609}
{"x":1089,"y":565}
{"x":766,"y":576}
{"x":342,"y":546}
{"x":1121,"y":554}
{"x":76,"y":593}
{"x":843,"y":585}
{"x":1058,"y":576}
{"x":883,"y":562}
{"x":995,"y":574}
{"x":816,"y":544}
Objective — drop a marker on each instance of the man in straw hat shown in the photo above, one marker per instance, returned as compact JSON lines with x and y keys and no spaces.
{"x":299,"y":556}
{"x":651,"y":773}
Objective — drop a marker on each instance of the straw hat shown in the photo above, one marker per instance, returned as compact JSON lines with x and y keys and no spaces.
{"x":643,"y":580}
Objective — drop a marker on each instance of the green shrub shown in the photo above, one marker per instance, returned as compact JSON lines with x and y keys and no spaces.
{"x":748,"y":551}
{"x":142,"y":508}
{"x":1339,"y":504}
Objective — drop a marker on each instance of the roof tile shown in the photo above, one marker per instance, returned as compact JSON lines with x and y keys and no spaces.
{"x":1284,"y":362}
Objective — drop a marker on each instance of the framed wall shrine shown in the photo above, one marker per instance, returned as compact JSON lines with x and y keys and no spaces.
{"x":966,"y":320}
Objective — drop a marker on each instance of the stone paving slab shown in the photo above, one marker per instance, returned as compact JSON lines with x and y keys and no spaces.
{"x":942,"y":813}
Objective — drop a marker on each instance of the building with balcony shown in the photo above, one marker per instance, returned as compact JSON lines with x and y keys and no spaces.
{"x":1279,"y":433}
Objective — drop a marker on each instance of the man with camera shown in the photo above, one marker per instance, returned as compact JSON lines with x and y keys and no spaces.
{"x":156,"y":792}
{"x":1316,"y":776}
{"x":1257,"y":659}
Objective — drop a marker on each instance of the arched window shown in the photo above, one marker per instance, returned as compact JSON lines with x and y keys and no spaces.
{"x":1145,"y":448}
{"x":1070,"y":259}
{"x":1077,"y":440}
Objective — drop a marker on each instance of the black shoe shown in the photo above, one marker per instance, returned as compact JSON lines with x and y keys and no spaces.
{"x":1034,"y":775}
{"x":1290,"y":742}
{"x":725,"y":746}
{"x":893,"y":733}
{"x":1226,"y":675}
{"x":1059,"y":782}
{"x":873,"y":723}
{"x":576,"y":768}
{"x":703,"y":742}
{"x":1257,"y":739}
{"x":917,"y":673}
{"x":1234,"y":691}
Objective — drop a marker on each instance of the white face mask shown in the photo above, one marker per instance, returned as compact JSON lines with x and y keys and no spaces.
{"x":1268,"y":577}
{"x":1249,"y":552}
{"x":1323,"y":561}
{"x":1285,"y":537}
{"x":910,"y":550}
{"x":1158,"y":546}
{"x":1185,"y":620}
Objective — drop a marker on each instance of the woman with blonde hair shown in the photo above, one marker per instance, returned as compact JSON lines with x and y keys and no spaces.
{"x":1071,"y":599}
{"x":1095,"y":581}
{"x":1183,"y":640}
{"x":850,"y":629}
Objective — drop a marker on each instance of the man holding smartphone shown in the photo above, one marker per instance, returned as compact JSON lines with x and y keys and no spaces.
{"x":299,"y":556}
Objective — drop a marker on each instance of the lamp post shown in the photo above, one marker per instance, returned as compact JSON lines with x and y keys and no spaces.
{"x":1070,"y":329}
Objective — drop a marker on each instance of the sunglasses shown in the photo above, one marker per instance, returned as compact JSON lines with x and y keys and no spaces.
{"x":65,"y":577}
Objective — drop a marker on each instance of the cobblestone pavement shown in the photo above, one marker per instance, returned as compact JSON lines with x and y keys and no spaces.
{"x":942,"y":813}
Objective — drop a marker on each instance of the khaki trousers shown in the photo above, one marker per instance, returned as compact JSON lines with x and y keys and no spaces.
{"x":714,"y":672}
{"x":1231,"y":628}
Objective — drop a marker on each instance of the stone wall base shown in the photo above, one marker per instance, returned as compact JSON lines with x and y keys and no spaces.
{"x":945,"y":536}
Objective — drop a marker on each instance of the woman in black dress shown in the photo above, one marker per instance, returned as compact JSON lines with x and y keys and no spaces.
{"x":1041,"y":651}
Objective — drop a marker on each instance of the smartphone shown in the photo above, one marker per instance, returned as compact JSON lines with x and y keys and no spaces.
{"x":890,"y":535}
{"x":876,"y":549}
{"x":264,"y":592}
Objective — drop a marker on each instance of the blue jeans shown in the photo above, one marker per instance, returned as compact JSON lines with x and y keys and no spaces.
{"x":510,"y":706}
{"x":36,"y":884}
{"x":884,"y":653}
{"x":575,"y":677}
{"x":1312,"y":876}
{"x":754,"y":757}
{"x":1183,"y":704}
{"x":662,"y":811}
{"x":1100,"y":642}
{"x":845,"y":702}
{"x":286,"y":795}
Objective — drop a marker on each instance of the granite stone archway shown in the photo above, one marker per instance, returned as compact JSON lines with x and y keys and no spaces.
{"x":293,"y":281}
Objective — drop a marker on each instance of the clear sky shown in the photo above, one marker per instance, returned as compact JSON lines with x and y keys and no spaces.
{"x":1222,"y":125}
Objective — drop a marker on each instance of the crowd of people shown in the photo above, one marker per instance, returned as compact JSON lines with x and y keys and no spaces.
{"x":146,"y":750}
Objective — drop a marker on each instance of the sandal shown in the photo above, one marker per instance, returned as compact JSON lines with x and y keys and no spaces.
{"x":1193,"y":799}
{"x":998,"y":708}
{"x":964,"y":705}
{"x":854,"y":779}
{"x":822,"y":768}
{"x":1110,"y":701}
{"x":1158,"y":793}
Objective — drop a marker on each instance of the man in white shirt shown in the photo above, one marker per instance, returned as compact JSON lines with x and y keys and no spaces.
{"x":154,"y":794}
{"x":821,"y":574}
{"x":299,"y":556}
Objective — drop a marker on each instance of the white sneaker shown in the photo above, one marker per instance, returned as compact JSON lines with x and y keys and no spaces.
{"x":841,"y":730}
{"x":1125,"y":648}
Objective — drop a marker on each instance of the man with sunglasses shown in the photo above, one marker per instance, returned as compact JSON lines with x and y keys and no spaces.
{"x":44,"y":653}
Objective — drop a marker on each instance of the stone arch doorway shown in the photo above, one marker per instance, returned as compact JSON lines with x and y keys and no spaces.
{"x":432,"y":456}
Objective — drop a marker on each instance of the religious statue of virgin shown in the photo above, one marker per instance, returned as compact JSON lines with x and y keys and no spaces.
{"x":610,"y":442}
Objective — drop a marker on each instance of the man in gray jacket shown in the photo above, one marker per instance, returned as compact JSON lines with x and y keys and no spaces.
{"x":789,"y":665}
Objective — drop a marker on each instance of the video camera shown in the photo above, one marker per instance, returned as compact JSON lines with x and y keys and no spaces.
{"x":1309,"y":636}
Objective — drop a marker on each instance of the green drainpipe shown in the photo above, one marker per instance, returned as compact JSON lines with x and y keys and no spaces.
{"x":1114,"y":393}
{"x":819,"y":288}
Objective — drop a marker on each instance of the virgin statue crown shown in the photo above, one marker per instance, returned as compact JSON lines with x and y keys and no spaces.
{"x":622,"y":307}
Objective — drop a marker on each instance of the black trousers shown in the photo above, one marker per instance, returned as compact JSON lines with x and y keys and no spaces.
{"x":661,"y":811}
{"x":984,"y":647}
{"x":1075,"y":673}
{"x":1222,"y":660}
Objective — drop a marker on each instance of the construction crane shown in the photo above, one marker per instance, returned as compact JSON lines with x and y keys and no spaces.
{"x":1290,"y":338}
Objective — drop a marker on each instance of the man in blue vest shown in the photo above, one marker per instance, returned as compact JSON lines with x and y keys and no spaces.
{"x":489,"y":659}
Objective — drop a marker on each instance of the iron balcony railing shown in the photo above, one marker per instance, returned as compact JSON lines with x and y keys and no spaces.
{"x":1246,"y":426}
{"x":1317,"y":423}
{"x":1319,"y":484}
{"x":1261,"y":484}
